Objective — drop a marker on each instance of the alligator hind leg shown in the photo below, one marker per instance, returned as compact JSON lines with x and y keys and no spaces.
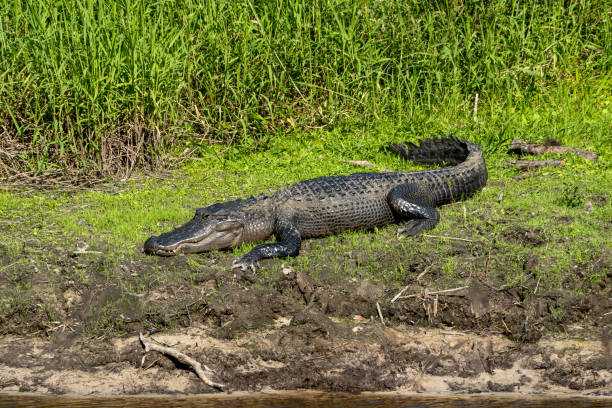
{"x":408,"y":201}
{"x":288,"y":245}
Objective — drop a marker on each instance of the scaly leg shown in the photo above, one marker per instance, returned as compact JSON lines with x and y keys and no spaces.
{"x":409,"y":201}
{"x":288,"y":245}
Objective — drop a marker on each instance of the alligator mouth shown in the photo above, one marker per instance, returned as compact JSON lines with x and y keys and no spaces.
{"x":196,"y":236}
{"x":153,"y":246}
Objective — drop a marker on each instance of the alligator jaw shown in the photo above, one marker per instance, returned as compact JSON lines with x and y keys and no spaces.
{"x":197,"y":235}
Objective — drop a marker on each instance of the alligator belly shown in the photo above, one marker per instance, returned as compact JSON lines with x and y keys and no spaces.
{"x":333,"y":216}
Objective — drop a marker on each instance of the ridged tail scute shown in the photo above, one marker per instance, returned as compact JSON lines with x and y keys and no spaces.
{"x":447,"y":150}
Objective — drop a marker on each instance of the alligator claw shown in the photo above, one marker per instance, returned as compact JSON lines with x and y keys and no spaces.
{"x":412,"y":228}
{"x":245,"y":265}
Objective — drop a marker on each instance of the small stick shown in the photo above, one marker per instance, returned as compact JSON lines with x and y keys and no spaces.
{"x":424,"y":272}
{"x":535,"y":164}
{"x":435,"y":306}
{"x":476,"y":108}
{"x":438,"y":292}
{"x":183,"y":358}
{"x":78,"y":252}
{"x":153,"y":363}
{"x":445,"y":237}
{"x":487,"y":264}
{"x":365,"y":163}
{"x":535,"y":291}
{"x":83,"y":250}
{"x":506,"y":326}
{"x":400,"y":293}
{"x":447,"y":333}
{"x":380,"y":314}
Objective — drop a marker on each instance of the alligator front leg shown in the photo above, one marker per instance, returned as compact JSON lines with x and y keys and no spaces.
{"x":288,"y":245}
{"x":409,"y":201}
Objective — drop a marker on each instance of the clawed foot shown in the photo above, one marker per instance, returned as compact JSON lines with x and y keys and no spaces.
{"x":243,"y":263}
{"x":413,"y":227}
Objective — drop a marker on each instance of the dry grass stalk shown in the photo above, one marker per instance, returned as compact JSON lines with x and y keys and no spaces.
{"x":365,"y":163}
{"x":380,"y":314}
{"x":427,"y":293}
{"x":446,"y":237}
{"x":536,"y":164}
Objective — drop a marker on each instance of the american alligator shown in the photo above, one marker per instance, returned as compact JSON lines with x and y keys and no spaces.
{"x":327,"y":205}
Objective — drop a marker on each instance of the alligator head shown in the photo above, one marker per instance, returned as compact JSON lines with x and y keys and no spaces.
{"x":218,"y":226}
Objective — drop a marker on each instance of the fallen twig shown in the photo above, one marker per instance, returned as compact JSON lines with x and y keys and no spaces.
{"x":506,"y":326}
{"x":77,"y":252}
{"x":153,"y":363}
{"x":521,"y":147}
{"x":380,"y":314}
{"x":445,"y":237}
{"x":82,"y":249}
{"x":407,"y":286}
{"x":435,"y":306}
{"x":447,"y":333}
{"x":440,"y":292}
{"x":183,"y":358}
{"x":437,"y":292}
{"x":535,"y":291}
{"x":399,"y":293}
{"x":424,"y":272}
{"x":488,"y":285}
{"x":536,"y":164}
{"x":365,"y":163}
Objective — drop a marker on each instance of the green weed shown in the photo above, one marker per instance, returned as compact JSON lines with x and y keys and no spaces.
{"x":108,"y":84}
{"x":571,"y":196}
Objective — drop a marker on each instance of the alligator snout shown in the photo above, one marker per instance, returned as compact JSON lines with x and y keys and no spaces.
{"x":153,"y":246}
{"x":151,"y":242}
{"x":196,"y":235}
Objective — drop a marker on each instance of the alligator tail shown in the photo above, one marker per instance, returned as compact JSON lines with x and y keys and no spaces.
{"x":447,"y":150}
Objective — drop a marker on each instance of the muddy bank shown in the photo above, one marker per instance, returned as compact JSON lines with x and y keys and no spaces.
{"x":303,"y":355}
{"x":298,"y":332}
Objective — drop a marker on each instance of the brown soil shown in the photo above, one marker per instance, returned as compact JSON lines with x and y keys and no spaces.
{"x":297,"y":332}
{"x":307,"y":355}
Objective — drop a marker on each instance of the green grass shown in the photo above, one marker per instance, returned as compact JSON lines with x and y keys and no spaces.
{"x":264,"y":94}
{"x":81,"y":81}
{"x":118,"y":221}
{"x":569,"y":252}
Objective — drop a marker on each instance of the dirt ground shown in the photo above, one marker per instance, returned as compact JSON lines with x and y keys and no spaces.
{"x":299,"y":332}
{"x":288,"y":357}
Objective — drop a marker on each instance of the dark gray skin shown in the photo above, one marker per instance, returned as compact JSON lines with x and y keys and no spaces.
{"x":328,"y":205}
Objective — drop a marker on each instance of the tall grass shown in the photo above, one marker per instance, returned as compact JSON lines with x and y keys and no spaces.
{"x":95,"y":83}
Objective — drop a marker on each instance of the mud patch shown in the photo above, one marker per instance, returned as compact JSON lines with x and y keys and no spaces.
{"x":401,"y":359}
{"x":524,"y":236}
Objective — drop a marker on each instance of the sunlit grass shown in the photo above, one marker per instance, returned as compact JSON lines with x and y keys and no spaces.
{"x":80,"y":80}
